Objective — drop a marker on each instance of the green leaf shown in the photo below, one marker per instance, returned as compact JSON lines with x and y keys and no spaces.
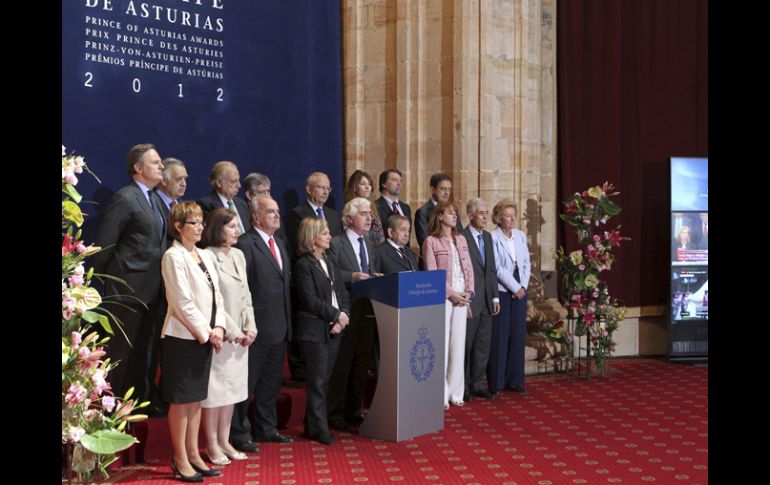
{"x":107,"y":441}
{"x":105,"y":322}
{"x":609,"y":207}
{"x":72,"y":193}
{"x":71,"y":212}
{"x":90,"y":317}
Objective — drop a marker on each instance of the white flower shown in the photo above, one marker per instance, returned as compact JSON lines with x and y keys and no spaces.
{"x":75,"y":433}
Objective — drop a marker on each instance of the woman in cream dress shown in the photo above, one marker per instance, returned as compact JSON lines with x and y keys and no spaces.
{"x":229,"y":368}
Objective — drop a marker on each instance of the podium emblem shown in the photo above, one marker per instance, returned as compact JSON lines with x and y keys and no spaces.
{"x":422,"y":358}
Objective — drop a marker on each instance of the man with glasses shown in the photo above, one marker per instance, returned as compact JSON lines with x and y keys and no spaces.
{"x":318,"y":189}
{"x":133,"y":235}
{"x":225,"y":179}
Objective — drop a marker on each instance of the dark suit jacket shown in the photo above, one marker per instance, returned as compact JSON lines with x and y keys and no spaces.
{"x":164,"y":210}
{"x":484,"y":276}
{"x":342,"y":254}
{"x":304,"y":210}
{"x":270,"y":287}
{"x":421,"y":222}
{"x":385,"y":211}
{"x":314,"y":298}
{"x":212,"y":201}
{"x":391,"y":261}
{"x":133,"y":248}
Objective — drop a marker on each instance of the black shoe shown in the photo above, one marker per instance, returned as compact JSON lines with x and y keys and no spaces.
{"x":206,"y":473}
{"x":274,"y":438}
{"x":515,"y":389}
{"x":325,"y":438}
{"x":467,"y":396}
{"x":245,"y":446}
{"x":339,"y":423}
{"x":483,"y":394}
{"x":185,"y":478}
{"x":356,"y":418}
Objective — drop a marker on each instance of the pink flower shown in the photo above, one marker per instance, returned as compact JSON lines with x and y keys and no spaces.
{"x":92,"y":414}
{"x":76,"y":281}
{"x":75,"y":433}
{"x":75,"y":394}
{"x":76,"y":339}
{"x":71,"y":179}
{"x":124,"y":409}
{"x":108,"y":403}
{"x":595,"y":294}
{"x":81,"y":248}
{"x":582,"y":267}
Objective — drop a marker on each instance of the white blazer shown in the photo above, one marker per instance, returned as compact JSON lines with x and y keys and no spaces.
{"x":504,"y":263}
{"x":239,"y":312}
{"x":189,"y":296}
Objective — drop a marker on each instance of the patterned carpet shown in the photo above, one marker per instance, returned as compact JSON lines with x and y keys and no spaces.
{"x":647,"y":422}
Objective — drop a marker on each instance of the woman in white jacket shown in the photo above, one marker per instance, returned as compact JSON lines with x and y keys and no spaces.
{"x":228,"y":383}
{"x":509,"y":327}
{"x":194,"y":328}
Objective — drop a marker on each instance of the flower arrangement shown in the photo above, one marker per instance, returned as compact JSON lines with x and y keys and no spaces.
{"x":587,"y":298}
{"x":93,"y":419}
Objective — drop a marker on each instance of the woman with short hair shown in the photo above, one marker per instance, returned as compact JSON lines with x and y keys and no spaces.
{"x":193,"y":329}
{"x":322,"y":314}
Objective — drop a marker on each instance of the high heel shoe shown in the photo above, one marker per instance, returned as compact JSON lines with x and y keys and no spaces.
{"x":233,"y":456}
{"x":206,"y":473}
{"x":219,"y":461}
{"x":185,"y":478}
{"x":459,"y":404}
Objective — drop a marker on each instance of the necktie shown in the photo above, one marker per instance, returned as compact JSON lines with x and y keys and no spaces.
{"x":362,"y":254}
{"x":320,"y":213}
{"x":271,"y":243}
{"x":231,"y":206}
{"x":395,"y":207}
{"x":402,"y":251}
{"x":171,"y":205}
{"x":158,"y":216}
{"x":481,"y":249}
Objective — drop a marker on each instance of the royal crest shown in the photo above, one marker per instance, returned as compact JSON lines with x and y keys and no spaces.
{"x":422,"y":358}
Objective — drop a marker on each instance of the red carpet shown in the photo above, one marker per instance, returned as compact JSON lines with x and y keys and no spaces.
{"x":647,"y":423}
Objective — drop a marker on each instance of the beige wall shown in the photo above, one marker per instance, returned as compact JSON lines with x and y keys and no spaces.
{"x":467,"y":88}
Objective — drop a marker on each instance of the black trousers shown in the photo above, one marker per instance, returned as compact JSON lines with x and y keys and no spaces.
{"x":351,"y":371}
{"x":478,"y":340}
{"x":139,"y":360}
{"x":265,"y":365}
{"x":320,"y":358}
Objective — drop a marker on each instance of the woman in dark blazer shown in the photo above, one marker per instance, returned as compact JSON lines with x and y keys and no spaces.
{"x":322,"y":314}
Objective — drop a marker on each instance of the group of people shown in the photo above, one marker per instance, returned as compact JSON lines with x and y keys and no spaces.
{"x":220,"y":293}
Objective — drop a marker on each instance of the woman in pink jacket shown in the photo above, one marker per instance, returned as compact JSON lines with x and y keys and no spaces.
{"x":446,"y":249}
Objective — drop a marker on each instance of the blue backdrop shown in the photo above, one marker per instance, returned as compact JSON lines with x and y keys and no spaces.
{"x":261,"y":88}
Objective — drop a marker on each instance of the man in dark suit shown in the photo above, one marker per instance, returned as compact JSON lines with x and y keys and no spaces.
{"x":388,"y":203}
{"x":353,"y":252}
{"x":486,"y":300}
{"x":133,"y":235}
{"x":172,"y":187}
{"x":440,"y":190}
{"x":318,"y":188}
{"x":394,"y":254}
{"x":268,"y":269}
{"x":225,"y":179}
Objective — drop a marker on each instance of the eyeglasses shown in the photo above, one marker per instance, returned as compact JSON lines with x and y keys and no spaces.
{"x":196,"y":223}
{"x":262,"y":192}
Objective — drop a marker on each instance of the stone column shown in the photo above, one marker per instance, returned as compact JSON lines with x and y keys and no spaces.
{"x":467,"y":88}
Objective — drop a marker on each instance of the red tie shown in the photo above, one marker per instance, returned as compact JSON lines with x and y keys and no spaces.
{"x":171,"y":204}
{"x":272,"y":250}
{"x":395,"y":207}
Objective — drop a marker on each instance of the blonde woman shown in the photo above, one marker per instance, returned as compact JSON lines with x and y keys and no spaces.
{"x":194,"y":328}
